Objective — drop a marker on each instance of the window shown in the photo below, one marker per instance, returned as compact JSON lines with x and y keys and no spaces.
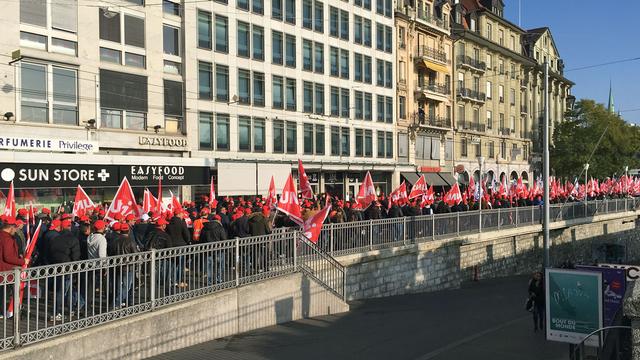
{"x":501,"y":93}
{"x":244,"y":86}
{"x":222,"y":34}
{"x":512,"y":97}
{"x":379,"y":36}
{"x":333,"y":60}
{"x":258,"y":88}
{"x":357,"y":64}
{"x":313,"y":135}
{"x":501,"y":66}
{"x":319,"y":139}
{"x":359,"y":104}
{"x":292,"y":137}
{"x":67,"y":47}
{"x":307,"y":17}
{"x":402,"y":104}
{"x":276,"y":47}
{"x":319,"y":99}
{"x":259,"y":136}
{"x":344,"y":141}
{"x":243,"y":4}
{"x":488,"y":89}
{"x":357,"y":29}
{"x":34,"y":41}
{"x":110,"y":55}
{"x":501,"y":121}
{"x":307,"y":93}
{"x":109,"y":25}
{"x":389,"y":145}
{"x":368,"y":143}
{"x":173,"y":107}
{"x":501,"y":37}
{"x":57,"y":104}
{"x":205,"y":131}
{"x":290,"y":11}
{"x":222,"y":83}
{"x":359,"y":135}
{"x":512,"y":123}
{"x":171,"y":8}
{"x":367,"y":33}
{"x":463,"y":147}
{"x":124,"y":96}
{"x":368,"y":106}
{"x":489,"y":61}
{"x":401,"y":37}
{"x":134,"y":31}
{"x":333,"y":21}
{"x":223,"y":132}
{"x":257,"y":7}
{"x":335,"y":101}
{"x":318,"y":13}
{"x":489,"y":119}
{"x":172,"y":67}
{"x":318,"y":66}
{"x":307,"y":57}
{"x":380,"y":108}
{"x":344,"y":25}
{"x":513,"y":43}
{"x":205,"y":81}
{"x":388,"y":113}
{"x":277,"y":92}
{"x":491,"y":150}
{"x":308,"y":139}
{"x":380,"y":7}
{"x":244,"y":133}
{"x":345,"y":110}
{"x":367,"y":69}
{"x":335,"y":141}
{"x":512,"y":73}
{"x":503,"y":150}
{"x":258,"y":42}
{"x":344,"y":64}
{"x":291,"y":94}
{"x":379,"y":72}
{"x":134,"y":60}
{"x":276,"y":9}
{"x":380,"y":143}
{"x":388,"y":75}
{"x":278,"y":136}
{"x":244,"y":43}
{"x":290,"y":49}
{"x":171,"y":40}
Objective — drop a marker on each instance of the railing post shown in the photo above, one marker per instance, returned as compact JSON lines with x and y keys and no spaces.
{"x":457,"y":223}
{"x":404,"y":230}
{"x":237,"y":262}
{"x":516,"y":216}
{"x":16,"y":306}
{"x":533,"y":215}
{"x":626,"y":208}
{"x":295,"y":250}
{"x":433,"y":226}
{"x":153,"y":278}
{"x":331,"y":239}
{"x":480,"y":217}
{"x":370,"y":234}
{"x":499,"y":218}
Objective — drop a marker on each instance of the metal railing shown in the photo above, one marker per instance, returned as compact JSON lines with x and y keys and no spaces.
{"x":464,"y":60}
{"x":471,"y":94}
{"x":433,"y":54}
{"x":505,"y":131}
{"x":63,"y":298}
{"x":443,"y":89}
{"x":432,"y":120}
{"x":425,"y":16}
{"x":473,"y":126}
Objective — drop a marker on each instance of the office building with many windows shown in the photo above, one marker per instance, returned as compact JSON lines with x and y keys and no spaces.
{"x":236,"y":89}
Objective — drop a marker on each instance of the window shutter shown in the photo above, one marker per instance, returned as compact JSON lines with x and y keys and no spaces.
{"x":123,"y":91}
{"x":172,"y":98}
{"x":33,"y":12}
{"x":64,"y":15}
{"x":134,"y":31}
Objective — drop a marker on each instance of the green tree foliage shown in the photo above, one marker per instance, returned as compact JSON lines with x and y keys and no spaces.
{"x":576,"y":138}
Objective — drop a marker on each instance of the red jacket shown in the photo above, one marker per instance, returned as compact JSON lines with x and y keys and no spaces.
{"x":9,"y":252}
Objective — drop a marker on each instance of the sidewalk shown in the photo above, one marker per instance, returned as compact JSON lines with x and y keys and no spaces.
{"x":484,"y":320}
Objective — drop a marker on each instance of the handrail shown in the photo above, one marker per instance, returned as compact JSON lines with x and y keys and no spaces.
{"x":580,"y":345}
{"x":316,"y":263}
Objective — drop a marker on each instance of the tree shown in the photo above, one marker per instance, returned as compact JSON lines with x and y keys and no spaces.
{"x":575,"y":139}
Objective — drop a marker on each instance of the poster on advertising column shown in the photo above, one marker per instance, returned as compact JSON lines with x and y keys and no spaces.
{"x":613,"y":289}
{"x":573,"y":305}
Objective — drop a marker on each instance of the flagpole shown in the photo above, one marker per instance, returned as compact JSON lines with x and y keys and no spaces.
{"x":545,"y":140}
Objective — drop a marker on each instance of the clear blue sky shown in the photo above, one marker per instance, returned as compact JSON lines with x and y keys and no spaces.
{"x":592,"y":32}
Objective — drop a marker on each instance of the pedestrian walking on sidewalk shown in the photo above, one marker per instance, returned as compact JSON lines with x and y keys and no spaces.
{"x":536,"y":296}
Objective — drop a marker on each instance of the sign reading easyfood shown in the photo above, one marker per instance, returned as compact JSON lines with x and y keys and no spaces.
{"x":574,"y":305}
{"x":45,"y":144}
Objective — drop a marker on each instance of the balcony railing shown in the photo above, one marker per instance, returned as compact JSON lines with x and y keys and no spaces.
{"x":443,"y":89}
{"x":433,"y":54}
{"x":472,"y":95}
{"x":523,"y":109}
{"x":468,"y":61}
{"x":422,"y":15}
{"x":506,"y":131}
{"x":432,"y":120}
{"x":472,"y":126}
{"x":525,"y":134}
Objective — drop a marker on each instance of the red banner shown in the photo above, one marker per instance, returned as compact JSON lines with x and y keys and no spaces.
{"x":367,"y":193}
{"x":288,"y":202}
{"x":82,"y":203}
{"x":419,"y":188}
{"x":305,"y":186}
{"x":313,"y":225}
{"x":10,"y":205}
{"x":124,"y":203}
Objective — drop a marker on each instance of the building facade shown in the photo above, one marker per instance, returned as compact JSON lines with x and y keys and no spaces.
{"x":425,"y":91}
{"x":237,"y":90}
{"x":489,"y":68}
{"x":538,"y":45}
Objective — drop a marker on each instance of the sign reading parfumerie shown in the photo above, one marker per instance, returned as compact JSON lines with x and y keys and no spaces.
{"x":45,"y":144}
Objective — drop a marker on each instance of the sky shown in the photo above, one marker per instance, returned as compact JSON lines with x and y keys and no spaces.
{"x":590,"y":32}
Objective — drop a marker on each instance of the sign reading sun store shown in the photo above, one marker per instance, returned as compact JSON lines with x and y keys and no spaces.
{"x":70,"y":175}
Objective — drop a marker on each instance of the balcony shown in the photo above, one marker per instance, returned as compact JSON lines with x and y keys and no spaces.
{"x":523,"y":83}
{"x":429,"y":120}
{"x":525,"y":134}
{"x":432,"y":20}
{"x":433,"y":54}
{"x":471,"y":126}
{"x":471,"y":95}
{"x":432,"y":90}
{"x":471,"y":63}
{"x":506,"y":131}
{"x":523,"y":110}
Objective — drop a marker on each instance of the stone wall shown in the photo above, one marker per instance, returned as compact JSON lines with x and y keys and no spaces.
{"x":445,"y":264}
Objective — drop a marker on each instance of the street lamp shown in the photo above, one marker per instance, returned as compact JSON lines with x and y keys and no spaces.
{"x":480,"y":163}
{"x":586,"y":188}
{"x":626,"y":180}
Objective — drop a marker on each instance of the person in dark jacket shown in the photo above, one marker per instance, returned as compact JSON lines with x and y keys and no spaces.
{"x":84,"y":230}
{"x":225,"y":219}
{"x":536,"y":294}
{"x":259,"y":225}
{"x":124,"y":275}
{"x":158,"y":239}
{"x":396,"y":212}
{"x":180,"y":236}
{"x":9,"y":257}
{"x":45,"y":240}
{"x":240,"y":226}
{"x":213,"y":231}
{"x":65,"y":248}
{"x":19,"y":236}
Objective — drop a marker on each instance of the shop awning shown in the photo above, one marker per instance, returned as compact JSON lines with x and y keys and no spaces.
{"x":434,"y":179}
{"x":411,"y":177}
{"x":448,"y":178}
{"x":435,"y":67}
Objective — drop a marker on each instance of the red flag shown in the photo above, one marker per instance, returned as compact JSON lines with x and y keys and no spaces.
{"x":305,"y":187}
{"x":10,"y":205}
{"x":419,"y":188}
{"x":272,"y":199}
{"x":124,"y":203}
{"x":159,"y":204}
{"x":313,"y":225}
{"x":288,"y":202}
{"x":367,"y":193}
{"x":31,"y":245}
{"x":82,"y":203}
{"x":149,"y":202}
{"x":453,"y":196}
{"x":175,"y":203}
{"x":428,"y":198}
{"x":471,"y":189}
{"x":32,"y":215}
{"x":399,"y":194}
{"x":213,"y":203}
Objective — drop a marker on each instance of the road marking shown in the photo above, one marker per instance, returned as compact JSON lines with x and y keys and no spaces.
{"x":470,"y":338}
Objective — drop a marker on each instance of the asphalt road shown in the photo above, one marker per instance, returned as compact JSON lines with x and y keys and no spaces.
{"x":484,"y":320}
